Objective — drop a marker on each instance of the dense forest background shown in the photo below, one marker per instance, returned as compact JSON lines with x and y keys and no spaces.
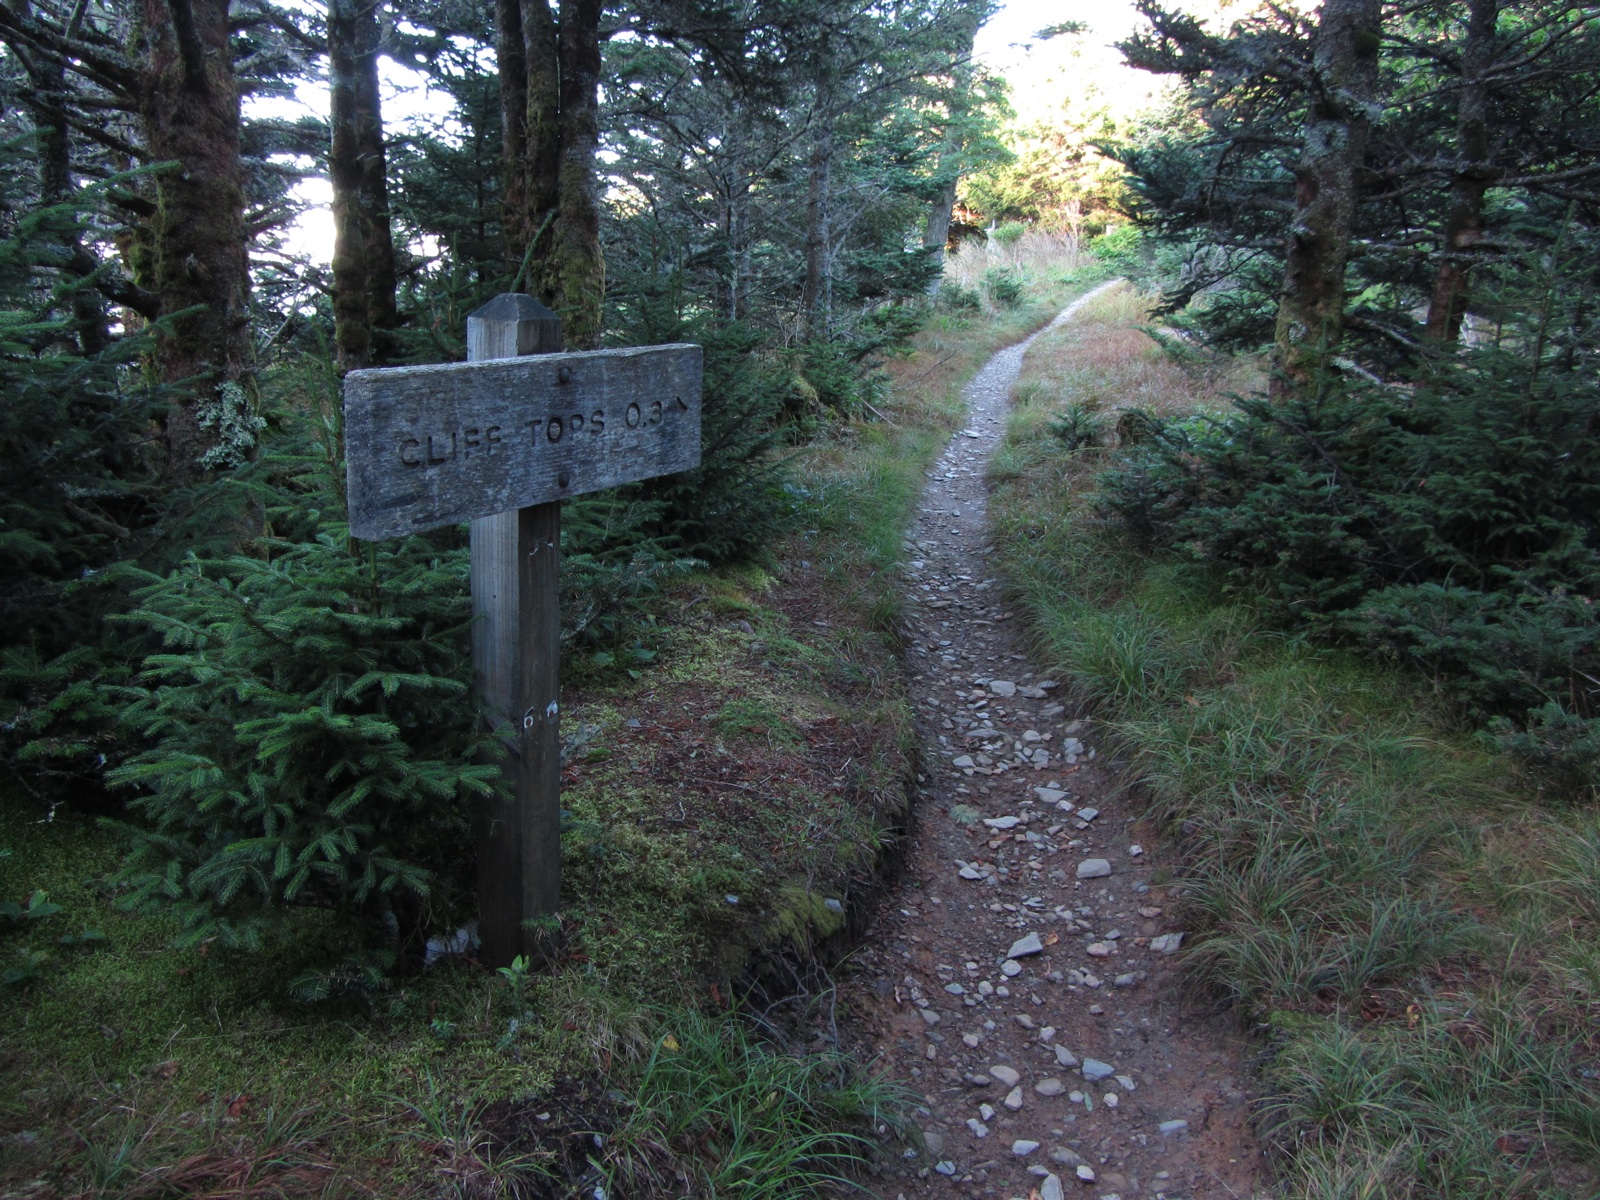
{"x":1396,"y":203}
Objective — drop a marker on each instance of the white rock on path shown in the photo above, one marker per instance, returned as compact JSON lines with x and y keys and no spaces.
{"x":1050,"y":1189}
{"x":1013,"y":1099}
{"x":1022,"y":1147}
{"x":1049,"y":795}
{"x":1011,"y":968}
{"x":1024,"y":946}
{"x":1094,"y":1069}
{"x":1093,"y":868}
{"x":964,"y":762}
{"x":1002,"y":822}
{"x":1050,"y":1087}
{"x":1167,"y":943}
{"x":1002,"y":687}
{"x":1008,"y":1075}
{"x":1066,"y":1057}
{"x":970,"y":873}
{"x":1086,"y":1172}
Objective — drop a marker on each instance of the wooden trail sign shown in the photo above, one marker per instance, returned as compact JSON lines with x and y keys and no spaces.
{"x":498,"y":441}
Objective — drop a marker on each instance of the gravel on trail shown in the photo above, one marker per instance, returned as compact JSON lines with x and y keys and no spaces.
{"x":1016,"y":976}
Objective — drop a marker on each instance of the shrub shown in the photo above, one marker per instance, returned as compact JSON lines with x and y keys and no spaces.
{"x":312,"y":737}
{"x":1078,"y":426}
{"x":1010,"y":233}
{"x":1454,"y":522}
{"x":1003,"y":286}
{"x":953,"y":298}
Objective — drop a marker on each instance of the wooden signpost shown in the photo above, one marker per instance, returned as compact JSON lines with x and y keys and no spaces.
{"x":498,"y":441}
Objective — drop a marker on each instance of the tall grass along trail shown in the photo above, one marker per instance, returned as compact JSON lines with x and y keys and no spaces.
{"x":1016,"y":977}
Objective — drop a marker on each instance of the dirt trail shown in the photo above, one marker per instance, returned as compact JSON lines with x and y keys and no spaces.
{"x":1030,"y":1005}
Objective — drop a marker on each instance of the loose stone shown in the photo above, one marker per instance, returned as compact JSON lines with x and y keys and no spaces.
{"x":1094,"y":1069}
{"x":1003,"y":687}
{"x":963,"y":761}
{"x":1168,"y":1128}
{"x":1022,"y":1147}
{"x":986,"y":1112}
{"x":970,"y":873}
{"x":1009,"y":1077}
{"x":1167,"y":943}
{"x":945,"y":1167}
{"x":1013,"y":1099}
{"x":1093,"y":868}
{"x":1086,"y":1172}
{"x":1029,"y":944}
{"x":1011,"y":968}
{"x":979,"y":1129}
{"x":1111,"y":1099}
{"x":1050,"y":1189}
{"x":1100,"y":949}
{"x":1002,"y":822}
{"x":1050,"y":1087}
{"x":1066,"y":1057}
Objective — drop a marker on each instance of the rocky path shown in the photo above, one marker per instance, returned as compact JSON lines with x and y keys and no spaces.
{"x":1018,"y":976}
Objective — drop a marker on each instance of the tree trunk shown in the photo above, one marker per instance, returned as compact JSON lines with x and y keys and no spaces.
{"x":511,"y":57}
{"x":195,"y":256}
{"x":937,"y":233}
{"x":1463,"y":229}
{"x":814,"y":297}
{"x":1311,"y":312}
{"x":578,"y":269}
{"x":363,"y":252}
{"x":552,"y":195}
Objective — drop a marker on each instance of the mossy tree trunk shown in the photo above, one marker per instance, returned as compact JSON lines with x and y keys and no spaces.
{"x":1463,"y":231}
{"x":194,"y":252}
{"x":363,"y":254}
{"x":1344,"y":85}
{"x":550,"y":76}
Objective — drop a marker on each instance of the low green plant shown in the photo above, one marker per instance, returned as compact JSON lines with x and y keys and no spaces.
{"x":1078,"y":426}
{"x":1003,"y":287}
{"x":961,"y":301}
{"x":743,"y":1118}
{"x":1450,"y":523}
{"x":1009,"y":233}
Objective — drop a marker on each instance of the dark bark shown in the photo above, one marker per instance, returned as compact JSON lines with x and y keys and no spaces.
{"x":512,"y":61}
{"x":1464,"y":230}
{"x":1344,"y":85}
{"x":194,"y":252}
{"x":363,"y":254}
{"x":579,"y":282}
{"x":552,"y":209}
{"x":937,"y":232}
{"x":815,"y":296}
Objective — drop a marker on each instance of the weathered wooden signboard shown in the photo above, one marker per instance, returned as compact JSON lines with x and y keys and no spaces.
{"x":437,"y":445}
{"x":499,"y":441}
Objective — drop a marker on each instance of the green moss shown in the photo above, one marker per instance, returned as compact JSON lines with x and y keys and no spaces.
{"x":803,"y":918}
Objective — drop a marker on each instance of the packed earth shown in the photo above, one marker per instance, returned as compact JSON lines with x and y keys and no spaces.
{"x":1019,"y":976}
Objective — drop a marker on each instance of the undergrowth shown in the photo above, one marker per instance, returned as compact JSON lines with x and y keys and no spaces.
{"x":735,"y":758}
{"x":1381,"y":895}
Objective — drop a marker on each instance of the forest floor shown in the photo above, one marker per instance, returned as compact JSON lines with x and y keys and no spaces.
{"x":1019,"y":973}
